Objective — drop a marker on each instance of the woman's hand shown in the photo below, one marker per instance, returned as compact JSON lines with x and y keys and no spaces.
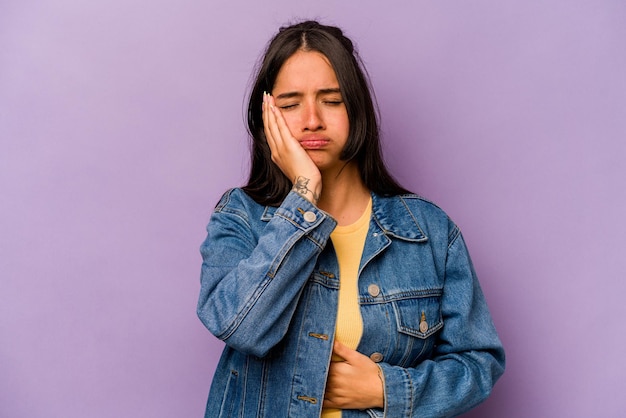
{"x":288,"y":154}
{"x":354,"y":383}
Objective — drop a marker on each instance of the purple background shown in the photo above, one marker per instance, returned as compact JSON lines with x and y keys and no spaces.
{"x":121,"y":125}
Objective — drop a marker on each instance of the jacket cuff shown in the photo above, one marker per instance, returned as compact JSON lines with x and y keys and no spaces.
{"x":313,"y":221}
{"x":398,"y":388}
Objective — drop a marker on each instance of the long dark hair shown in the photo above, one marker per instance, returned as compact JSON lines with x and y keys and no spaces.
{"x":267,"y":184}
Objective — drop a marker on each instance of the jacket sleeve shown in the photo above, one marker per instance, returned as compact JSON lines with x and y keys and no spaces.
{"x":468,"y":357}
{"x":252,"y":275}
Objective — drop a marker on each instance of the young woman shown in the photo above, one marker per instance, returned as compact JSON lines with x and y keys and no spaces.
{"x":337,"y":292}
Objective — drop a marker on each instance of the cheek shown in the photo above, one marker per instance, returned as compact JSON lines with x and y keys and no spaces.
{"x":343,"y":124}
{"x":291,"y":119}
{"x":347,"y":125}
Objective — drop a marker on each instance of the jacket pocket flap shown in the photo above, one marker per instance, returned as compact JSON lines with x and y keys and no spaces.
{"x":419,"y":316}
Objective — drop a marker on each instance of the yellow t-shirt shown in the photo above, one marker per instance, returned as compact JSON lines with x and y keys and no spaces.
{"x":348,"y":241}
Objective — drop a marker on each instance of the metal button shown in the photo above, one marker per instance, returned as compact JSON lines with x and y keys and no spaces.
{"x":423,"y":326}
{"x":373,"y":290}
{"x":309,"y":216}
{"x":376,"y":357}
{"x":423,"y":323}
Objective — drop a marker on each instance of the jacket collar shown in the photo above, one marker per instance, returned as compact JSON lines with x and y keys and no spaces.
{"x":393,"y":216}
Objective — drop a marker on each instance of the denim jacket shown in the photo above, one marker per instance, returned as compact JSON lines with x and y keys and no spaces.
{"x":269,"y":290}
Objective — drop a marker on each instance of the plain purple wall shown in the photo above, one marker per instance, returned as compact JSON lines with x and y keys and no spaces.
{"x":121,"y":124}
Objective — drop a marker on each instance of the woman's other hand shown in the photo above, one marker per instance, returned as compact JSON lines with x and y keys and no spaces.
{"x":354,"y":383}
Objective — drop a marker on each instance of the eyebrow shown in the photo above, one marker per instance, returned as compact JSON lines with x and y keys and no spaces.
{"x":292,"y":94}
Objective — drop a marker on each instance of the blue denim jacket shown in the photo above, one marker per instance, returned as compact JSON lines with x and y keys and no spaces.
{"x":269,"y":290}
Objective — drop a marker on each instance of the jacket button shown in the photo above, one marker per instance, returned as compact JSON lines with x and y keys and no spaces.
{"x":309,"y":216}
{"x":376,"y":357}
{"x":373,"y":290}
{"x":423,"y":323}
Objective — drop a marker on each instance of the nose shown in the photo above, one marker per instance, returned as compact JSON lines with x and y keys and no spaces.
{"x":312,"y":118}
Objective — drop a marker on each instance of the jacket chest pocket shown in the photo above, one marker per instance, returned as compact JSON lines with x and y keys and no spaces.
{"x":418,"y":318}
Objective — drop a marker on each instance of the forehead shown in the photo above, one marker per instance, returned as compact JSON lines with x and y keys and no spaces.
{"x":304,"y":71}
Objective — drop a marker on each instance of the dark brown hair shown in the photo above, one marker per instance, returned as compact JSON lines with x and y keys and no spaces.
{"x":267,"y":184}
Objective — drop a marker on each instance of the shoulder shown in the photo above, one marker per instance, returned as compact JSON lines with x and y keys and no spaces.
{"x":238,"y":202}
{"x":232,"y":197}
{"x":413,"y":203}
{"x":421,"y":205}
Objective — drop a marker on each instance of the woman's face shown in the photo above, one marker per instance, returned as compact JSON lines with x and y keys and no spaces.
{"x":307,"y":92}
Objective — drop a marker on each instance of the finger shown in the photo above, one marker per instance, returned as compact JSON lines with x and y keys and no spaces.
{"x":272,"y":123}
{"x":330,"y":404}
{"x":269,"y":121}
{"x":279,"y":119}
{"x":344,"y":351}
{"x":266,"y":122}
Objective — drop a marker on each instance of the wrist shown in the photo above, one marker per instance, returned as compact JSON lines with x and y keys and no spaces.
{"x":381,"y":398}
{"x":307,"y":188}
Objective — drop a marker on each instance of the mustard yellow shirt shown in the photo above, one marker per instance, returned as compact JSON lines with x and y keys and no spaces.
{"x":348,"y":241}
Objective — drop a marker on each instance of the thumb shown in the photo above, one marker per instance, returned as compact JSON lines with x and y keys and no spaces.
{"x":343,"y":351}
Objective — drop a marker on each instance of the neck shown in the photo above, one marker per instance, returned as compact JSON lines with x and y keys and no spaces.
{"x":344,"y":196}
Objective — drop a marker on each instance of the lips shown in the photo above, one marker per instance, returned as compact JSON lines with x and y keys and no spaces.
{"x":314,"y":141}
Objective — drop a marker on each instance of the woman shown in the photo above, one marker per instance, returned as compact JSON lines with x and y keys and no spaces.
{"x":336,"y":291}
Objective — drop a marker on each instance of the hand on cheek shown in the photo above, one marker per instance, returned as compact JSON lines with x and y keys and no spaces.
{"x":288,"y":154}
